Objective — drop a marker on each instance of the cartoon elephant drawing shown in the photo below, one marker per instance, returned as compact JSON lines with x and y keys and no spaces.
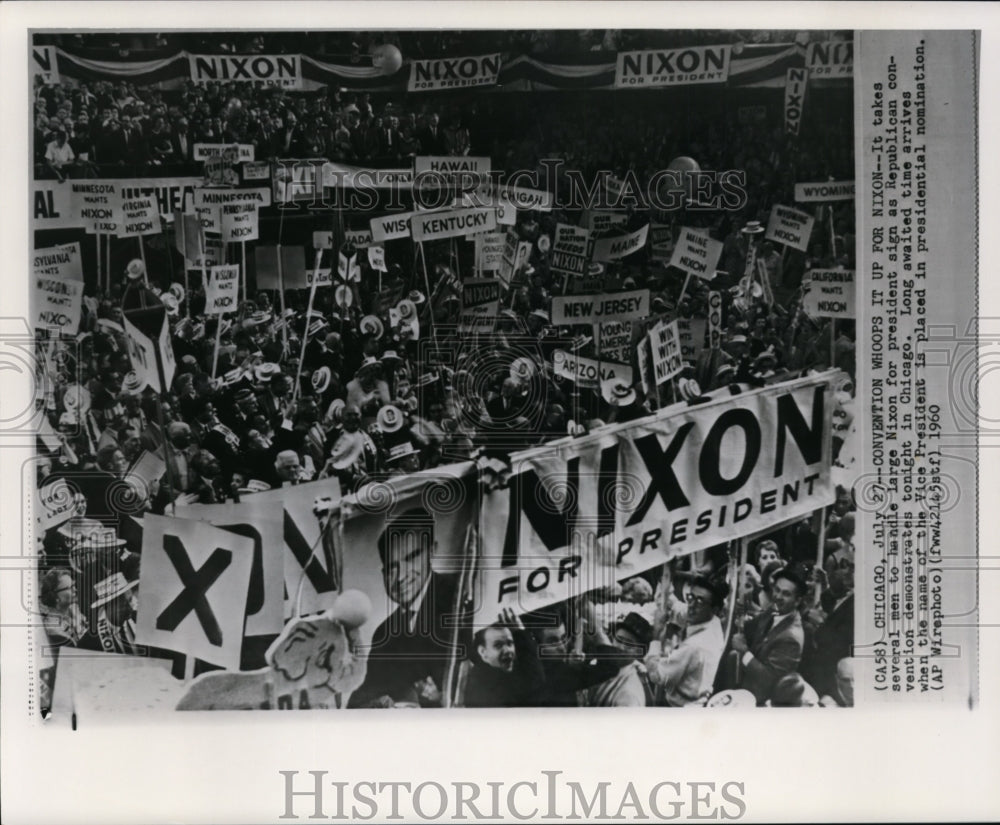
{"x":314,"y":663}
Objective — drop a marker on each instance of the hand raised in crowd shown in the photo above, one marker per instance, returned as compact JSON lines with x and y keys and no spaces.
{"x":510,"y":619}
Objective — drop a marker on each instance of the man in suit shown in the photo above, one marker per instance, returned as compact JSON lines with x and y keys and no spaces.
{"x":833,"y":633}
{"x":509,"y":404}
{"x":389,"y":138}
{"x":431,"y":137}
{"x":411,"y":649}
{"x":135,"y":145}
{"x":111,"y":146}
{"x":180,"y":140}
{"x":771,"y":644}
{"x":288,"y":141}
{"x":179,"y":453}
{"x":507,"y":671}
{"x":273,"y":400}
{"x":568,"y":671}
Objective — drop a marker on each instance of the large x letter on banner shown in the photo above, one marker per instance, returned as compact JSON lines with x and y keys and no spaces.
{"x":193,"y":589}
{"x":196,"y":585}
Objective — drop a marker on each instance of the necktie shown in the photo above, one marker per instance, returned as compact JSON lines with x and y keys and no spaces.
{"x":768,"y":624}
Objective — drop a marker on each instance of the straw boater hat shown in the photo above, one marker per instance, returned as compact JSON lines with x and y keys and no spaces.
{"x":321,"y":380}
{"x":131,"y":383}
{"x":370,"y":364}
{"x":371,"y":325}
{"x":255,"y":486}
{"x":752,"y":228}
{"x":725,"y":370}
{"x":406,"y":309}
{"x":109,"y":589}
{"x":389,"y":419}
{"x":135,"y":269}
{"x":266,"y":371}
{"x":177,"y":291}
{"x":688,"y":389}
{"x":335,"y":410}
{"x":416,"y":297}
{"x":402,"y":450}
{"x":390,"y":358}
{"x":617,"y":393}
{"x":89,"y":533}
{"x":522,"y":369}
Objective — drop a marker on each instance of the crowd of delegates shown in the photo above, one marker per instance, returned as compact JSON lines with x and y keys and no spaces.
{"x":375,"y":401}
{"x":660,"y":639}
{"x":119,"y":129}
{"x":386,"y":387}
{"x":669,"y":637}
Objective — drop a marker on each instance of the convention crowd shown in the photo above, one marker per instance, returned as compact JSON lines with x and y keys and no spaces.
{"x":381,"y":383}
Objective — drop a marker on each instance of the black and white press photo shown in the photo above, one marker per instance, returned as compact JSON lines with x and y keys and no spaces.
{"x":505,"y":373}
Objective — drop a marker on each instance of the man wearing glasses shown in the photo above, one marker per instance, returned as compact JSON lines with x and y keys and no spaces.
{"x":684,"y":672}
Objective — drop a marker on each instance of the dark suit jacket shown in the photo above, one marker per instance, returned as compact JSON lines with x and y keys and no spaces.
{"x":185,"y":154}
{"x":111,"y":147}
{"x":831,"y":642}
{"x":399,"y":656}
{"x":270,"y":405}
{"x":387,"y":142}
{"x":135,"y":145}
{"x":519,"y":405}
{"x":490,"y":687}
{"x":563,"y":679}
{"x":431,"y":144}
{"x":776,"y":649}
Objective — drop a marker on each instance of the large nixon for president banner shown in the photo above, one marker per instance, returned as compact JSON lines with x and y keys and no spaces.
{"x":583,"y":513}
